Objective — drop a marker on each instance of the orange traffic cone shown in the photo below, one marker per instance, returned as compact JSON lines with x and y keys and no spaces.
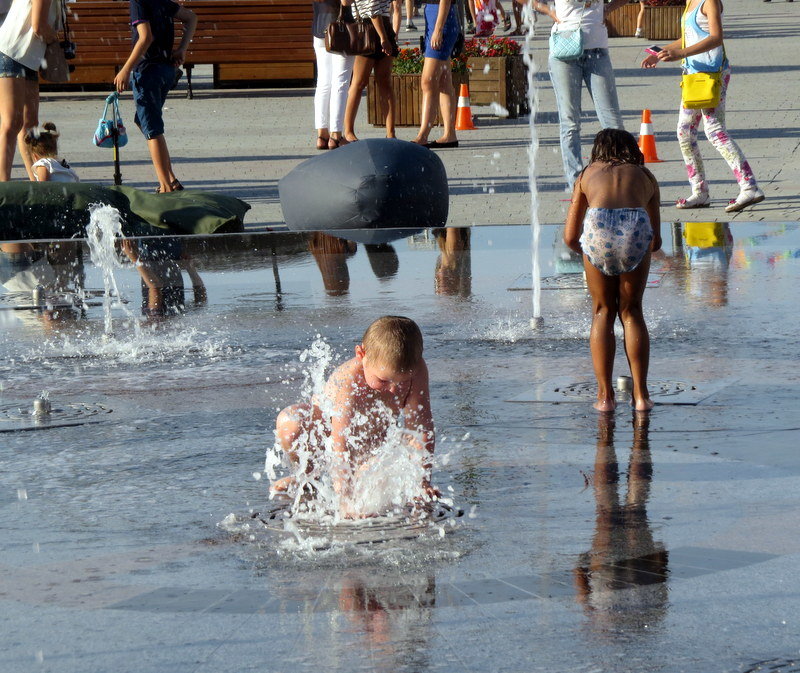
{"x":647,"y":141}
{"x":464,"y":113}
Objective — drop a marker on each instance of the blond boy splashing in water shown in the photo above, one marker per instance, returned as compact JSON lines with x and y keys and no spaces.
{"x":385,"y":384}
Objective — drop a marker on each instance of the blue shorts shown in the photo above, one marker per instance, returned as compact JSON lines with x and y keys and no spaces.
{"x":11,"y":68}
{"x":150,"y":85}
{"x":449,"y":35}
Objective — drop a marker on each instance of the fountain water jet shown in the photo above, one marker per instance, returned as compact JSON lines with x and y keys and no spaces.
{"x":537,"y":322}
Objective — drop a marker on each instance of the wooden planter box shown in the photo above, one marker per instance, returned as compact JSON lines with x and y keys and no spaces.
{"x":505,"y":81}
{"x":660,"y":23}
{"x":408,"y":99}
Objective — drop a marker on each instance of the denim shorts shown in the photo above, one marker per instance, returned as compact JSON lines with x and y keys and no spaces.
{"x":11,"y":68}
{"x":150,"y":85}
{"x":449,"y":34}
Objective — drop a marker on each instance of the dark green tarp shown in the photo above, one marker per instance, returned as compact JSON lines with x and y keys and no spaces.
{"x":31,"y":210}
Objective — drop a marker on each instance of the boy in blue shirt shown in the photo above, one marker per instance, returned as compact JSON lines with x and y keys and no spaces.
{"x":151,"y":71}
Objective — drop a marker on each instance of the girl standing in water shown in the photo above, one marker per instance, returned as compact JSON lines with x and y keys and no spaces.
{"x":614,"y":221}
{"x":702,"y":50}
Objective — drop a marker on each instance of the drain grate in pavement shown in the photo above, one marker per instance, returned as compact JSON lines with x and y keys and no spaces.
{"x":562,"y":389}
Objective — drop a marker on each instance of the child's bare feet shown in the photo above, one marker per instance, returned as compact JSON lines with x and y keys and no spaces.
{"x":605,"y":404}
{"x":643,"y":404}
{"x":282,"y":485}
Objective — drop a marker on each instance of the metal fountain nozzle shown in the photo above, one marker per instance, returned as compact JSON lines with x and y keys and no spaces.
{"x":537,"y":322}
{"x":624,"y":384}
{"x":42,"y":407}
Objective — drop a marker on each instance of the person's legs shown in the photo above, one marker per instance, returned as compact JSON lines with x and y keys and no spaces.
{"x":688,"y":123}
{"x":30,"y":119}
{"x":717,"y":134}
{"x":150,"y":87}
{"x":605,"y":297}
{"x":640,"y":20}
{"x":383,"y":78}
{"x":340,"y":82}
{"x":598,"y":73}
{"x":322,"y":92}
{"x":517,"y":18}
{"x":410,"y":13}
{"x":430,"y":81}
{"x":566,"y":78}
{"x":362,"y":67}
{"x":447,"y":106}
{"x":637,"y":339}
{"x":12,"y":104}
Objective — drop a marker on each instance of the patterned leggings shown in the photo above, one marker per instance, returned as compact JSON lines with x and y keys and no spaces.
{"x":717,"y":134}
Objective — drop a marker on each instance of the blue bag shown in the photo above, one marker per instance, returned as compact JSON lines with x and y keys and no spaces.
{"x":104,"y":135}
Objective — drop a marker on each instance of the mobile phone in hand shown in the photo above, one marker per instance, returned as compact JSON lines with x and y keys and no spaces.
{"x":653,"y":50}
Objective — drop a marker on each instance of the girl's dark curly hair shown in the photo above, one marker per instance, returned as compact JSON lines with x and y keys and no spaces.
{"x":615,"y":146}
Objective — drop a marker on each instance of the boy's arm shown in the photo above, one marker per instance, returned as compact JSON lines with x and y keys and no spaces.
{"x":189,"y":20}
{"x":143,"y":43}
{"x":419,"y":419}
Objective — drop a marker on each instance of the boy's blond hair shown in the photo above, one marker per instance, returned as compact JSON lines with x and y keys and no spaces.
{"x":393,"y":342}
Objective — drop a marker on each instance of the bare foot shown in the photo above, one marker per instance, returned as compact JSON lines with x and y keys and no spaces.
{"x":605,"y":405}
{"x":282,"y":485}
{"x":420,"y":141}
{"x":645,"y":404}
{"x":350,"y":139}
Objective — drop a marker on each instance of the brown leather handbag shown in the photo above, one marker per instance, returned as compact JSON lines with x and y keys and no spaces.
{"x":346,"y":35}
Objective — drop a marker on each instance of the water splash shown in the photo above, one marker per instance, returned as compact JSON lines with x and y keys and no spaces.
{"x":382,"y":480}
{"x":533,"y":149}
{"x":102,"y":232}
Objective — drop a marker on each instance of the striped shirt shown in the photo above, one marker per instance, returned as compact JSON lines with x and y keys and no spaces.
{"x":366,"y":9}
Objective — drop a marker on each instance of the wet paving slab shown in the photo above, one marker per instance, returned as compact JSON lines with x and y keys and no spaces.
{"x":588,"y":542}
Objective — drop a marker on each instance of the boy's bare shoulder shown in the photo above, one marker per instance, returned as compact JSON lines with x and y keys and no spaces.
{"x":343,"y":376}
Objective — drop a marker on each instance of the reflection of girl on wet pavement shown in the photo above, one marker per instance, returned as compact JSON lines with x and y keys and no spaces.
{"x":621,"y":581}
{"x":614,"y":220}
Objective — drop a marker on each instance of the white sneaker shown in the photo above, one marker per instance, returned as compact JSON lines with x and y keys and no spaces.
{"x":747,"y":197}
{"x":696,"y":200}
{"x":638,"y":33}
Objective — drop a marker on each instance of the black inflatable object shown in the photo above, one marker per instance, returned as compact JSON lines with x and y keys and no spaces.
{"x":376,"y":183}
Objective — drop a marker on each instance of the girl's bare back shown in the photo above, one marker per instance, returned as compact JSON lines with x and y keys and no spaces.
{"x":617,"y":186}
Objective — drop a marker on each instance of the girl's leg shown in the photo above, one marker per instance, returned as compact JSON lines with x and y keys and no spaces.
{"x":340,"y":82}
{"x":322,"y":93}
{"x":30,"y":119}
{"x":447,"y":105}
{"x":383,"y":78}
{"x":12,"y":104}
{"x":605,"y":305}
{"x":598,"y":73}
{"x":430,"y":82}
{"x":362,"y":67}
{"x":566,"y":78}
{"x":717,"y":134}
{"x":637,"y":339}
{"x":688,"y":122}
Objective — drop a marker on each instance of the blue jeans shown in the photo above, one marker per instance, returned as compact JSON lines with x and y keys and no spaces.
{"x":594,"y":68}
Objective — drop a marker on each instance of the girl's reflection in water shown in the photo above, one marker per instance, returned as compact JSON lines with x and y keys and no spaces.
{"x":453,"y":273}
{"x":621,"y":581}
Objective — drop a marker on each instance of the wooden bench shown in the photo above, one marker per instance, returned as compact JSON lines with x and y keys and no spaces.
{"x":247,"y":41}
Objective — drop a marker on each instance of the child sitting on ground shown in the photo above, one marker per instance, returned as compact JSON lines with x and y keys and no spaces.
{"x":385,"y":382}
{"x":43,"y":144}
{"x":614,"y":220}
